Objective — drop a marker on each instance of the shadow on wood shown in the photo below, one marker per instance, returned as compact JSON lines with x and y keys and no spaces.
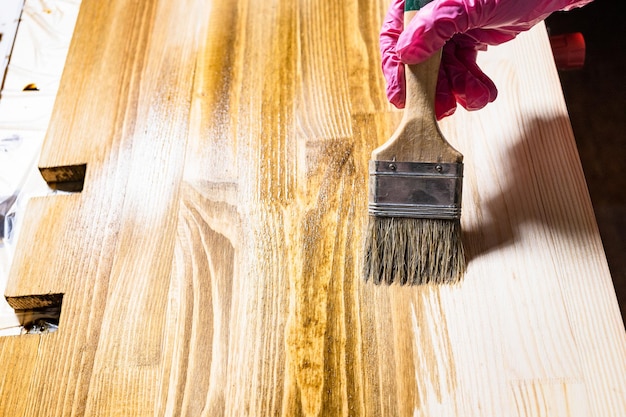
{"x":531,"y":172}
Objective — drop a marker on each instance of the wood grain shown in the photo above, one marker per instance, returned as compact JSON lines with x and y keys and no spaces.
{"x":211,"y":264}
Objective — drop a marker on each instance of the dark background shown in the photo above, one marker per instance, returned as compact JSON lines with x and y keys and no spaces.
{"x":595,"y":97}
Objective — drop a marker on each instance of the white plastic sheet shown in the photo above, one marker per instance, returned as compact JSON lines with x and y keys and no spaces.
{"x":10,"y":11}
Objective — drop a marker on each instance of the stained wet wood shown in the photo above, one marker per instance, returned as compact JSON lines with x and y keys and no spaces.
{"x":211,"y":264}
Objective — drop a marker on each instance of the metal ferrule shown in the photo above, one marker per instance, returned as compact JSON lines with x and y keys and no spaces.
{"x":421,"y":190}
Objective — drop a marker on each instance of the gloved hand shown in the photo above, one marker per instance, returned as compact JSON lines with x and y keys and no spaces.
{"x":461,"y":28}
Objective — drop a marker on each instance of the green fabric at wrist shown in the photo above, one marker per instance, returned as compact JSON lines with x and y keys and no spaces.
{"x":415,"y":4}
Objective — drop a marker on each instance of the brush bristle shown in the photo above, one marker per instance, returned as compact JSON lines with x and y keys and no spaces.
{"x":413,"y":251}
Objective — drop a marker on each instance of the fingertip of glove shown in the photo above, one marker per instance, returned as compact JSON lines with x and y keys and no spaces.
{"x":396,"y":97}
{"x":444,"y":112}
{"x":478,"y":95}
{"x":393,"y":71}
{"x":445,"y":105}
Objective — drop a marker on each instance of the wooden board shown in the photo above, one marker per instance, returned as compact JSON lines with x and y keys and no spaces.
{"x":211,"y":264}
{"x":26,"y":101}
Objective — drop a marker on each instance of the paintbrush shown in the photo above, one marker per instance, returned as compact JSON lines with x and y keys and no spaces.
{"x":414,"y":232}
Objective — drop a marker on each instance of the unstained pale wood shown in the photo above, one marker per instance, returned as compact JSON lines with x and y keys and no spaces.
{"x":211,"y":264}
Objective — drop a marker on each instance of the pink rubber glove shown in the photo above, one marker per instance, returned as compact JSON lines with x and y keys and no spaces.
{"x":461,"y":28}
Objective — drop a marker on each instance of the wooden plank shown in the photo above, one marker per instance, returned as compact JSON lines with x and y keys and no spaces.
{"x":109,"y":265}
{"x":37,"y":59}
{"x":211,"y":265}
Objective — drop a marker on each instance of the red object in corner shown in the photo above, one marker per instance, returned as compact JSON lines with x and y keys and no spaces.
{"x":568,"y":50}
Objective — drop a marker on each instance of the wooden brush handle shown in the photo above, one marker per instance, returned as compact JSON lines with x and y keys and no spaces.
{"x":418,"y":137}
